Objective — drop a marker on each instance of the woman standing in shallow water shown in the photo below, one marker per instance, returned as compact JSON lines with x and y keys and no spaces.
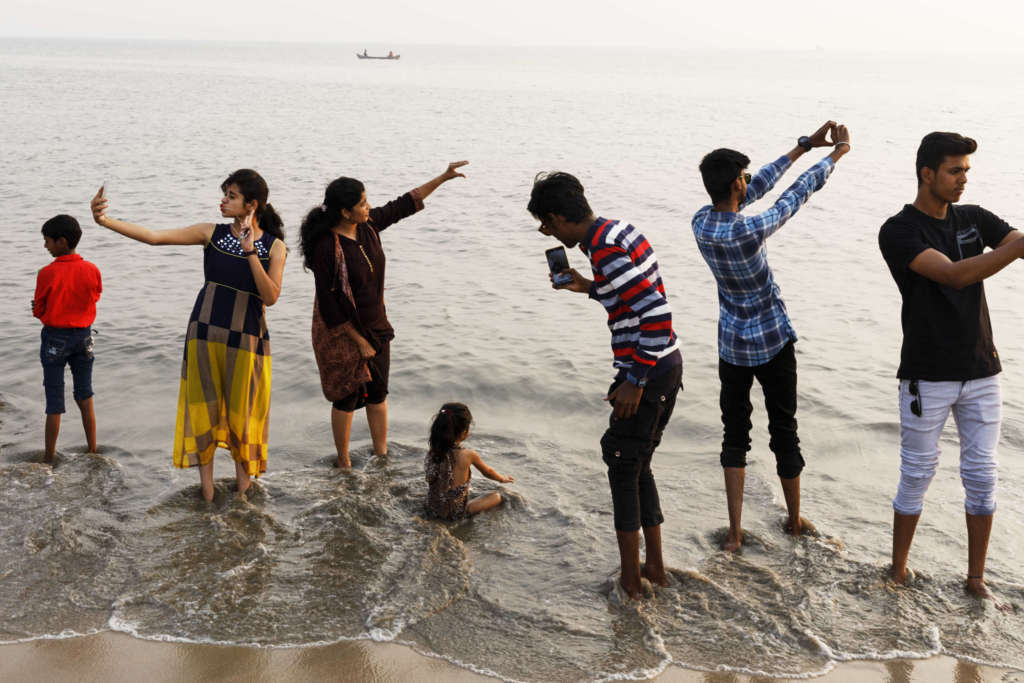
{"x":351,"y":332}
{"x":224,"y":396}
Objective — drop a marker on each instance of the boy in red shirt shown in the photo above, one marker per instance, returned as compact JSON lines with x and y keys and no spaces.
{"x":66,"y":294}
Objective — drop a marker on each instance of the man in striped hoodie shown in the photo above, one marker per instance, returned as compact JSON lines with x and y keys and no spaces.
{"x":649,"y":366}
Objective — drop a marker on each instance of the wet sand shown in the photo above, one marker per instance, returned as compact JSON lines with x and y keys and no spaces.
{"x":119,"y":657}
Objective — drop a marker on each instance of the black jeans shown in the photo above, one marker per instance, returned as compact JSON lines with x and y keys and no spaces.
{"x":777,"y":378}
{"x":627,"y":449}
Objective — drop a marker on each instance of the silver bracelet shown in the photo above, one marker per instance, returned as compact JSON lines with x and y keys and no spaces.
{"x":844,"y":143}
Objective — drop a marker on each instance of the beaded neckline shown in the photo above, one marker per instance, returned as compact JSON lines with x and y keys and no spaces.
{"x":227,"y":242}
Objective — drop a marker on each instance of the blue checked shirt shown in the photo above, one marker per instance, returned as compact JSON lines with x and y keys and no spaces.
{"x":753,"y":326}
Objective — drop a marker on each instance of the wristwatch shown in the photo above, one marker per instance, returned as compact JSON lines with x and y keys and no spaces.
{"x":640,"y":382}
{"x":804,"y":142}
{"x":249,"y":253}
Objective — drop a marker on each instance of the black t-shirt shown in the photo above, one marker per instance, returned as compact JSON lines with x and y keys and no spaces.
{"x":947,"y":335}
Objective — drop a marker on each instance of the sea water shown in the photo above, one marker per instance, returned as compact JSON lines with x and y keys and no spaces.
{"x":121,"y":540}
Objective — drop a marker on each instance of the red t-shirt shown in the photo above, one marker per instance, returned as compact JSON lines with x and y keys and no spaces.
{"x":66,"y":292}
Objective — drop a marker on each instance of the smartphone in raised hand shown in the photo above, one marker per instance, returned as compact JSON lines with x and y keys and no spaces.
{"x":558,"y":264}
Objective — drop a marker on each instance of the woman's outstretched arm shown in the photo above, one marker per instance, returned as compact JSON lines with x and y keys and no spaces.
{"x":199,"y":233}
{"x":451,"y":172}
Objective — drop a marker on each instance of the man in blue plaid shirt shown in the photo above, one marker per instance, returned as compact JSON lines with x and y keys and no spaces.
{"x":755,"y":336}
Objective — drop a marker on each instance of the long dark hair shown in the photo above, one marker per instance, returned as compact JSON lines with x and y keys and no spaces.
{"x":342,"y":193}
{"x":449,"y":424}
{"x":253,"y":187}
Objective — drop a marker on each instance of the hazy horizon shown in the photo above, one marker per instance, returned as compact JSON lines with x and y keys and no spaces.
{"x":872,"y":25}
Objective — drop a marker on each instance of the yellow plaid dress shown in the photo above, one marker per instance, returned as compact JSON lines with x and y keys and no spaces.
{"x":225,"y":375}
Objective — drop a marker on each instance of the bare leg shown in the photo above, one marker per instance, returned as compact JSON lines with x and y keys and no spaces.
{"x":377,"y":417}
{"x":903,"y":527}
{"x":791,"y":491}
{"x":242,"y":477}
{"x":88,"y":422}
{"x":478,"y":505}
{"x":341,"y":427}
{"x":979,"y":527}
{"x":50,"y":437}
{"x":629,"y":558}
{"x":734,"y":477}
{"x":654,"y":567}
{"x":206,"y":480}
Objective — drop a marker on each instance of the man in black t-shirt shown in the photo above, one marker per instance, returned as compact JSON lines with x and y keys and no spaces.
{"x":935,"y":251}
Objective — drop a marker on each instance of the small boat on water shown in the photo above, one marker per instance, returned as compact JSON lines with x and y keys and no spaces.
{"x":363,"y":55}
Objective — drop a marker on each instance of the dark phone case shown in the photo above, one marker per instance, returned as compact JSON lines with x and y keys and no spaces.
{"x":557,"y":259}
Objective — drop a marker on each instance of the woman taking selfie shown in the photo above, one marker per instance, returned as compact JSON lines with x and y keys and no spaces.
{"x":224,"y":396}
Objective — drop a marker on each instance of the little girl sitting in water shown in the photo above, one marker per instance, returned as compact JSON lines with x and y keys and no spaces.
{"x":447,"y":467}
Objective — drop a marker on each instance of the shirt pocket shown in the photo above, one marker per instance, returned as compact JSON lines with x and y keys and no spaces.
{"x":968,"y":242}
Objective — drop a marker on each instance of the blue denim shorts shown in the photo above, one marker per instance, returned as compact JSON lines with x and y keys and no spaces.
{"x":65,"y":346}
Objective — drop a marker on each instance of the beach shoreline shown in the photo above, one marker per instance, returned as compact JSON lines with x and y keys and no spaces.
{"x":114,"y":656}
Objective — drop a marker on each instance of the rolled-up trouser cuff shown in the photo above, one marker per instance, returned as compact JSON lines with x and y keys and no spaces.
{"x":906,"y":513}
{"x":733,"y":457}
{"x":789,"y":466}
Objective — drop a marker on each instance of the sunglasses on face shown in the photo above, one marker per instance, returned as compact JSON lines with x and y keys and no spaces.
{"x":746,"y":178}
{"x":915,"y":405}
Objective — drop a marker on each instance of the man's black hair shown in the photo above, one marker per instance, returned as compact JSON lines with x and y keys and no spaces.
{"x":64,"y":226}
{"x":558,"y":194}
{"x":718,"y":169}
{"x":937,"y":146}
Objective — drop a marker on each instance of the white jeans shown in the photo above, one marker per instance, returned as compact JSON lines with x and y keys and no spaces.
{"x":977,"y":409}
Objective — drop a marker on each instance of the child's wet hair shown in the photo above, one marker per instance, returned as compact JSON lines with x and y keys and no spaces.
{"x":449,"y":424}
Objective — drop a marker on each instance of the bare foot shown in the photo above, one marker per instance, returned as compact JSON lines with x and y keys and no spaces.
{"x":732,"y":542}
{"x":655,"y":575}
{"x":898,"y":575}
{"x":978,"y":589}
{"x":634,"y":592}
{"x":802,"y":527}
{"x":344,"y":463}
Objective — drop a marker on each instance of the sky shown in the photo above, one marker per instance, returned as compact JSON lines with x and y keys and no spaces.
{"x":940,"y":26}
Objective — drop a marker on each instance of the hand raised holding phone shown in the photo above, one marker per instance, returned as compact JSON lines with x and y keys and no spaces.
{"x":561,"y":275}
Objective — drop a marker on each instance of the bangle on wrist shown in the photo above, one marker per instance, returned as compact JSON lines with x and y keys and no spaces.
{"x":844,"y":143}
{"x":247,"y":254}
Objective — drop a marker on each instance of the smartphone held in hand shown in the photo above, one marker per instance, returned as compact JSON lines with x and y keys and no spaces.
{"x":558,"y":264}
